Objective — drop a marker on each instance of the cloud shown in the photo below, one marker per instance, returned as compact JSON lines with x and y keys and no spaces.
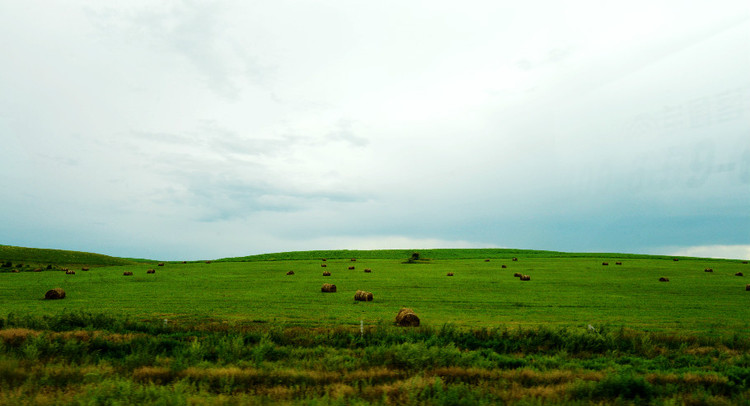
{"x":711,"y":251}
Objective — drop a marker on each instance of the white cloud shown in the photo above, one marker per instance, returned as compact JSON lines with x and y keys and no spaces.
{"x":711,"y":251}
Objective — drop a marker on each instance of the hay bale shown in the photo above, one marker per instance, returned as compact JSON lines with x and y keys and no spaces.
{"x":708,"y":270}
{"x":351,"y":267}
{"x":486,"y":260}
{"x":407,"y":318}
{"x":127,"y":273}
{"x":70,"y":272}
{"x":450,"y":274}
{"x":362,"y":296}
{"x":744,"y":262}
{"x":675,"y":259}
{"x":747,"y":287}
{"x":618,"y":263}
{"x":15,"y":271}
{"x":184,"y":262}
{"x":663,"y":279}
{"x":503,"y":266}
{"x":739,"y":274}
{"x":56,"y":293}
{"x":354,"y":259}
{"x":324,"y":260}
{"x":605,"y":263}
{"x":328,"y":288}
{"x":160,"y":264}
{"x":517,"y":275}
{"x":323,"y":265}
{"x":514,"y":259}
{"x":208,"y":262}
{"x":326,"y":273}
{"x":37,"y":269}
{"x":85,"y":268}
{"x":290,"y":273}
{"x":151,"y":271}
{"x":368,"y":270}
{"x":525,"y":278}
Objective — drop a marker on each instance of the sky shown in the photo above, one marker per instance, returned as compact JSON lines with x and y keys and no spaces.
{"x":207,"y":129}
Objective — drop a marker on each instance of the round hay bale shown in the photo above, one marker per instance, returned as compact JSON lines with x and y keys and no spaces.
{"x":708,"y":270}
{"x":517,"y":275}
{"x":449,"y":274}
{"x":56,"y":293}
{"x":15,"y":271}
{"x":675,"y":259}
{"x":328,"y":288}
{"x":351,"y":267}
{"x":663,"y":279}
{"x":503,"y":266}
{"x":407,"y":318}
{"x":127,"y":273}
{"x":323,"y":265}
{"x":362,"y":296}
{"x":486,"y":260}
{"x":326,"y":273}
{"x":747,"y":287}
{"x":208,"y":262}
{"x":151,"y":271}
{"x":290,"y":273}
{"x":618,"y":263}
{"x":85,"y":268}
{"x":354,"y":259}
{"x":368,"y":270}
{"x":70,"y":272}
{"x":605,"y":263}
{"x":160,"y":264}
{"x":514,"y":259}
{"x":37,"y":269}
{"x":739,"y":274}
{"x":324,"y":260}
{"x":525,"y":278}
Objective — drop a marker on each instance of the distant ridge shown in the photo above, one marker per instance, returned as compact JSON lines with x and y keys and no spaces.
{"x":43,"y":256}
{"x":441,"y":253}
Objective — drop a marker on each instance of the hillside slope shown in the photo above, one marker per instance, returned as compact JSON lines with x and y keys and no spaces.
{"x":40,"y":256}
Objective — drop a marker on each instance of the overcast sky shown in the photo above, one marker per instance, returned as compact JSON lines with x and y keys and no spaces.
{"x":207,"y":129}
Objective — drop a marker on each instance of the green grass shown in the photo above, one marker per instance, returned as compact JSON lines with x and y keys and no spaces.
{"x":241,"y":331}
{"x":570,"y":290}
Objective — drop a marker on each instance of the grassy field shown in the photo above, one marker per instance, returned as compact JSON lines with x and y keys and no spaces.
{"x":242,"y":331}
{"x":571,"y":290}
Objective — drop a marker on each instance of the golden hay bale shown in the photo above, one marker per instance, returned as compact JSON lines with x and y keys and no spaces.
{"x":486,"y":260}
{"x":368,"y":270}
{"x":56,"y":293}
{"x":70,"y":272}
{"x":354,"y":259}
{"x":514,"y":259}
{"x":184,"y":262}
{"x":151,"y":271}
{"x":362,"y":296}
{"x":351,"y":267}
{"x":127,"y":273}
{"x":324,"y":260}
{"x":747,"y":287}
{"x":503,"y":266}
{"x":663,"y":279}
{"x":290,"y":273}
{"x":708,"y":270}
{"x":328,"y":288}
{"x":85,"y":268}
{"x":37,"y":269}
{"x":618,"y":263}
{"x":675,"y":259}
{"x":739,"y":274}
{"x":449,"y":274}
{"x":517,"y":275}
{"x":208,"y":262}
{"x":65,"y":269}
{"x":323,"y":265}
{"x":407,"y":318}
{"x":525,"y":277}
{"x":326,"y":273}
{"x":160,"y":264}
{"x":605,"y":263}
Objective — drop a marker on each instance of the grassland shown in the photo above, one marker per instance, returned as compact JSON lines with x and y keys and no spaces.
{"x":242,"y":331}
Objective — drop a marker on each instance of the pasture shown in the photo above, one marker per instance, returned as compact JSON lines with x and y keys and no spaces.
{"x":574,"y":290}
{"x":248,"y":331}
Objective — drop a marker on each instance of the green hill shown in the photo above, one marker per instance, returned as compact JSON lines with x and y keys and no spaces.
{"x":40,"y":257}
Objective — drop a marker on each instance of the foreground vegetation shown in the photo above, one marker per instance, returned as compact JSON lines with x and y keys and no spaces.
{"x":243,"y":331}
{"x":79,"y":358}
